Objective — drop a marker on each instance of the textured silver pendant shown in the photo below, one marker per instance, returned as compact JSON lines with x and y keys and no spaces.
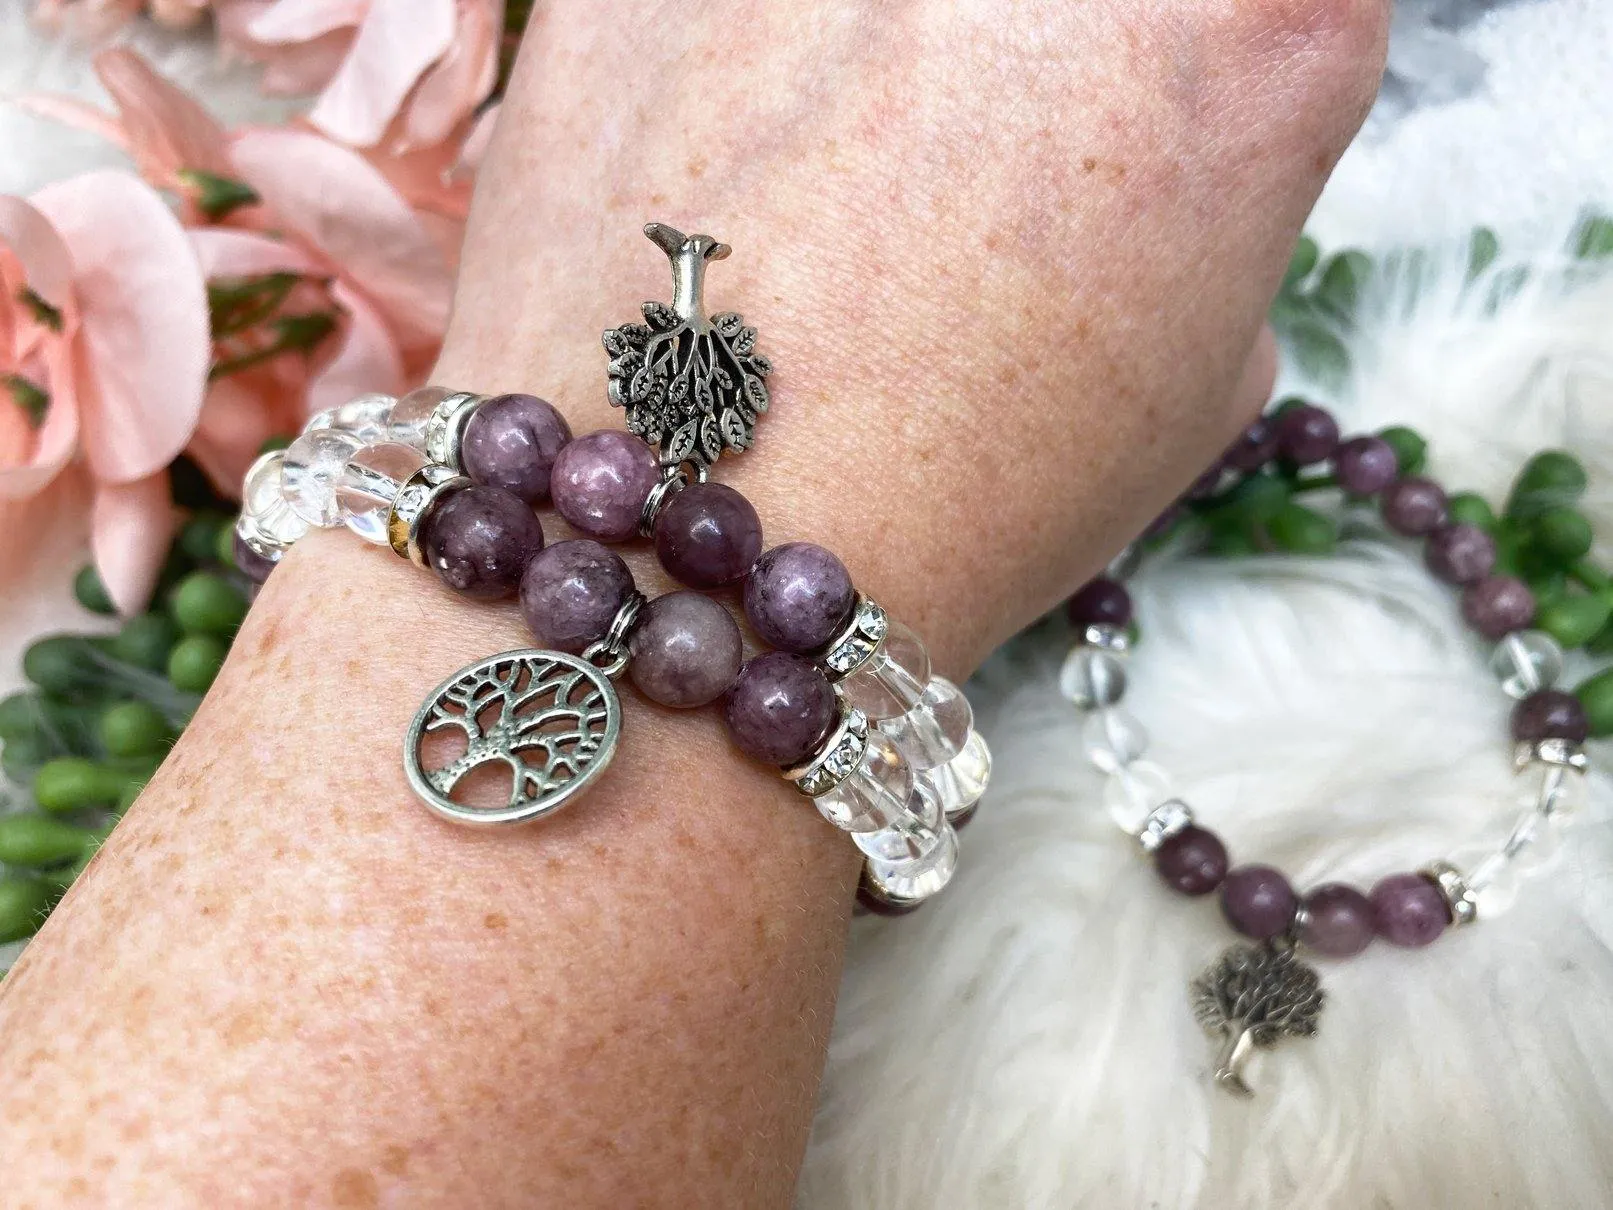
{"x":692,"y":385}
{"x":550,"y":718}
{"x":1252,"y":997}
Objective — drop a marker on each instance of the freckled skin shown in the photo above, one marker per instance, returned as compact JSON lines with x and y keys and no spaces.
{"x":993,"y":366}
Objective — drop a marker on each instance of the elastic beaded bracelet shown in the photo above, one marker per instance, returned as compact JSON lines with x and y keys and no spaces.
{"x":1254,"y":995}
{"x":845,"y":703}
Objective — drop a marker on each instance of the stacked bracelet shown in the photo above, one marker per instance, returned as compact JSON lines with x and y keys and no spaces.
{"x":844,"y":703}
{"x":1257,"y":994}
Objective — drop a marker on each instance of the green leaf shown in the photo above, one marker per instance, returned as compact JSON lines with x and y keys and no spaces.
{"x":1470,"y":508}
{"x":1318,"y":352}
{"x":1552,"y":478}
{"x":1301,"y":263}
{"x":1574,"y":620}
{"x":1302,"y":531}
{"x":1562,"y":535}
{"x":1344,"y":280}
{"x":216,"y":196}
{"x":1593,"y":238}
{"x":1482,"y":249}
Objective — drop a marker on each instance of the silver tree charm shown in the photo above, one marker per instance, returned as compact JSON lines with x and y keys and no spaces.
{"x":550,"y":718}
{"x":691,"y":385}
{"x":1253,"y":996}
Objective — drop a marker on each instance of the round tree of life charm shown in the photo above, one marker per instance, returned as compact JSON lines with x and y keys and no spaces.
{"x":551,"y":718}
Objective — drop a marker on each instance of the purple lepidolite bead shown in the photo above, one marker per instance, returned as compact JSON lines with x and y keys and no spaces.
{"x":600,"y":481}
{"x":511,"y":441}
{"x":571,"y":592}
{"x":1307,"y":434}
{"x":708,"y":535}
{"x":1550,"y":714}
{"x":1414,"y":506}
{"x":1365,"y":465}
{"x":1258,"y":901}
{"x":1497,"y":605}
{"x":1408,"y":909}
{"x":780,"y":708}
{"x":686,"y":650}
{"x":1338,"y":920}
{"x":1100,"y":602}
{"x":480,"y":539}
{"x":1460,"y":554}
{"x":798,"y":596}
{"x":1194,"y":861}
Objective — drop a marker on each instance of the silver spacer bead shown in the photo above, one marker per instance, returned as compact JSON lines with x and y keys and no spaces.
{"x":1107,"y":638}
{"x":416,"y":498}
{"x":855,"y":645}
{"x":837,"y":758}
{"x":610,"y":654}
{"x":1459,"y":898}
{"x":445,"y":428}
{"x":1163,"y":822}
{"x":1562,"y":753}
{"x":673,"y":480}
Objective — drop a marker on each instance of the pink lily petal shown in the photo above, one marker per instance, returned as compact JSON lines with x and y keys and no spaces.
{"x":398,"y":40}
{"x":304,"y":20}
{"x":474,"y":148}
{"x":336,"y":201}
{"x":131,"y":525}
{"x":42,"y":542}
{"x":80,"y":115}
{"x":226,"y":252}
{"x":289,"y":69}
{"x":144,"y":342}
{"x":452,"y":88}
{"x":239,"y":417}
{"x":166,"y":128}
{"x":367,"y":361}
{"x":47,"y":266}
{"x":32,"y":255}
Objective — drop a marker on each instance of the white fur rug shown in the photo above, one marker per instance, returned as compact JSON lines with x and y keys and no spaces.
{"x":1026,"y":1041}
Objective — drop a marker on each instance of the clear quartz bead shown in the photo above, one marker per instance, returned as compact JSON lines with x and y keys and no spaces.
{"x":1092,"y":677}
{"x":265,"y":514}
{"x":911,"y":835}
{"x":892,"y":680}
{"x":1113,"y":738}
{"x":960,"y":782}
{"x":1132,"y":792}
{"x":877,"y":792}
{"x":916,"y":880}
{"x":1526,"y":661}
{"x":370,"y":482}
{"x":934,"y":730}
{"x":313,"y":463}
{"x":366,"y":418}
{"x":409,"y":415}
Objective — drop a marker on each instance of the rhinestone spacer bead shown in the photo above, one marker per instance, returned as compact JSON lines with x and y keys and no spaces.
{"x":1562,"y":753}
{"x":856,"y":644}
{"x":418,"y":496}
{"x":1107,"y":638}
{"x":1163,"y":822}
{"x":445,"y":428}
{"x":1459,"y":897}
{"x":838,"y":758}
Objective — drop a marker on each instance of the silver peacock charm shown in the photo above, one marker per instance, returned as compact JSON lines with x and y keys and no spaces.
{"x":1253,"y":996}
{"x":692,"y":385}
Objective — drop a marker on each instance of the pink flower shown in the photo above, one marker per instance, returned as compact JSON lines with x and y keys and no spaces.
{"x":406,"y":73}
{"x":104,"y":353}
{"x":286,"y":209}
